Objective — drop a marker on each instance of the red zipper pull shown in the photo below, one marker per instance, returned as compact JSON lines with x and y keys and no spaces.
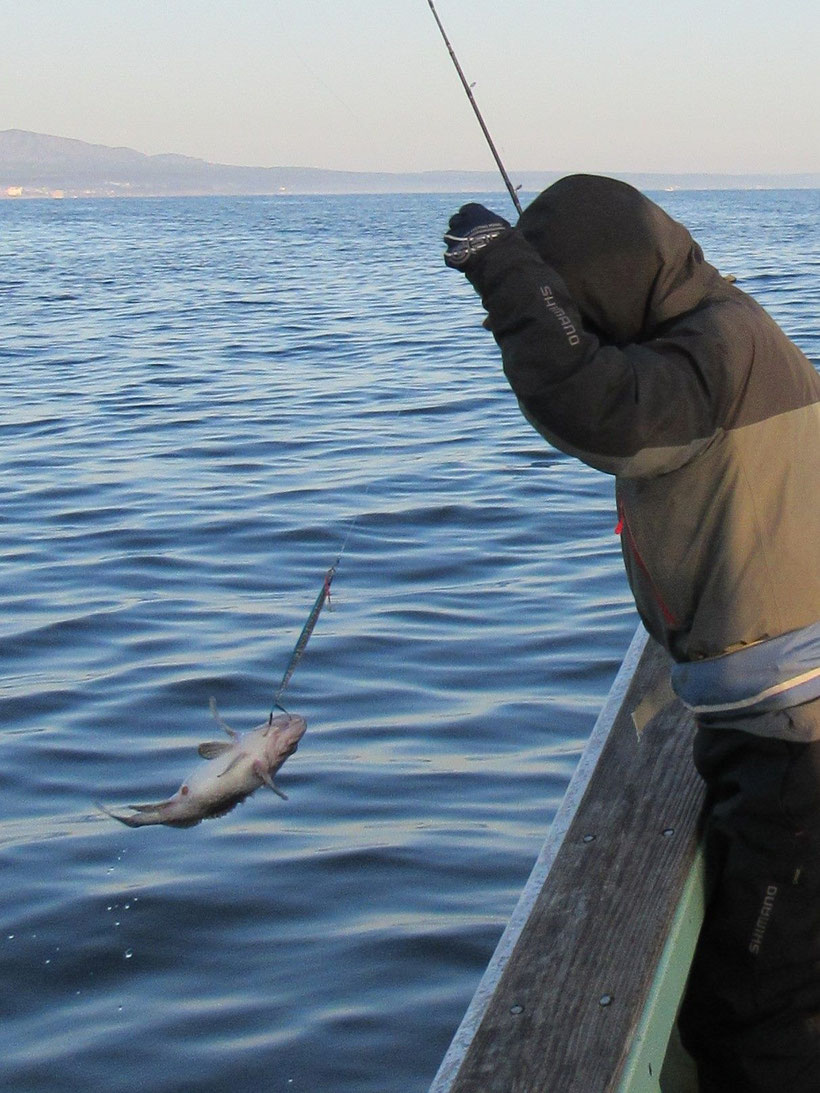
{"x":619,"y":527}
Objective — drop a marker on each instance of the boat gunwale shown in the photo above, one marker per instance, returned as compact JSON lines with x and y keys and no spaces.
{"x":466,"y":1031}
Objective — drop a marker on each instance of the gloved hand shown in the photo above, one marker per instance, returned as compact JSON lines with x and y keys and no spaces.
{"x":470,"y":230}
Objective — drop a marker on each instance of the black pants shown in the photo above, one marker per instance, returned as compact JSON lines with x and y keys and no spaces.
{"x":751,"y":1015}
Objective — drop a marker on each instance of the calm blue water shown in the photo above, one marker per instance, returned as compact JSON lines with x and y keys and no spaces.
{"x":200,"y":402}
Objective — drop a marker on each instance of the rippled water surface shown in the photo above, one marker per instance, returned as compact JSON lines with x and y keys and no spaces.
{"x":201,"y":403}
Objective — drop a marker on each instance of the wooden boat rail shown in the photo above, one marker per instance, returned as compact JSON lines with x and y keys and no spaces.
{"x":582,"y":992}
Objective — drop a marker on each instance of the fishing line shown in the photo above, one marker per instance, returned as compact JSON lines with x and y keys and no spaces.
{"x":324,"y":593}
{"x":474,"y":104}
{"x":316,"y":610}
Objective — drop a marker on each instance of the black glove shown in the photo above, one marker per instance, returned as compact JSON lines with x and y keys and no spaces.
{"x":470,"y":230}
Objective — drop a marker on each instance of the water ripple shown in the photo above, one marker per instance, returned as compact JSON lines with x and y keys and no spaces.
{"x":205,"y":402}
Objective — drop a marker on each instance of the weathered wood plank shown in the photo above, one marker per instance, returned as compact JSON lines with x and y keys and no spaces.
{"x":563,"y":1014}
{"x":657,"y":1061}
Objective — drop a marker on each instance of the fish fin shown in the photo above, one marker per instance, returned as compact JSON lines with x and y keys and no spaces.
{"x":262,"y":773}
{"x":140,"y":820}
{"x":224,"y":808}
{"x":129,"y":821}
{"x":212,"y":749}
{"x":114,"y":815}
{"x":226,"y":728}
{"x":233,"y":762}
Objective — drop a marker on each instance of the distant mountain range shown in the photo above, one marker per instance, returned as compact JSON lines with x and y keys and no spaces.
{"x":36,"y":165}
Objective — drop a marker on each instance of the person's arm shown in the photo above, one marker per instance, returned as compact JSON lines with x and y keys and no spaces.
{"x":643,"y":409}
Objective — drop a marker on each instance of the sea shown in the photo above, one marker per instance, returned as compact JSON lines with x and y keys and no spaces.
{"x":205,"y":404}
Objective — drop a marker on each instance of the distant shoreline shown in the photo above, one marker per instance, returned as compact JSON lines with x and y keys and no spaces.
{"x":60,"y":194}
{"x":39,"y":166}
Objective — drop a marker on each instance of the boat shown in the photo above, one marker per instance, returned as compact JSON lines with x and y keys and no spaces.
{"x":582,"y":992}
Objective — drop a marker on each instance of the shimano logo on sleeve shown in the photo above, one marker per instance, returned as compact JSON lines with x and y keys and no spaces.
{"x":561,"y":315}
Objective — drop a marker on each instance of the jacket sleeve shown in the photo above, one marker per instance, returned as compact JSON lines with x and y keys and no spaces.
{"x":640,"y":410}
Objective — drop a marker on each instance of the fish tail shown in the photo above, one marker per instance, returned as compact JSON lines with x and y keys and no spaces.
{"x":143,"y":815}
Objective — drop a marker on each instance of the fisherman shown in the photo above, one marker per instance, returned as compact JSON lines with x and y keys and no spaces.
{"x":627,"y":349}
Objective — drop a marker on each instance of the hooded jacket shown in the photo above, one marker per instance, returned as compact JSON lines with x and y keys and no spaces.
{"x":628,"y":350}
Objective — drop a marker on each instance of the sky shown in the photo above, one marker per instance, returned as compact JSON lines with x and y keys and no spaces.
{"x":367,"y":85}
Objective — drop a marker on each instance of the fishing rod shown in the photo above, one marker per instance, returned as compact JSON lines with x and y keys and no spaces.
{"x":474,"y":104}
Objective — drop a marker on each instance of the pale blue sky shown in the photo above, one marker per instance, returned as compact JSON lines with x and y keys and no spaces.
{"x":639,"y":85}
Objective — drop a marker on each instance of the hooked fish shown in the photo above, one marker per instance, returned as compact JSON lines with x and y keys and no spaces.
{"x":236,"y":768}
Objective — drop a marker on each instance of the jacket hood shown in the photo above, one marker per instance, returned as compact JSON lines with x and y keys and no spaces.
{"x":627,"y":264}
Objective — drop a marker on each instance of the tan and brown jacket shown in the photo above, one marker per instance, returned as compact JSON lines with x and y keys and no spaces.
{"x":628,"y":350}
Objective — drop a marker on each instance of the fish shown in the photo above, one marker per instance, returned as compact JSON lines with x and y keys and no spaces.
{"x":235,"y":769}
